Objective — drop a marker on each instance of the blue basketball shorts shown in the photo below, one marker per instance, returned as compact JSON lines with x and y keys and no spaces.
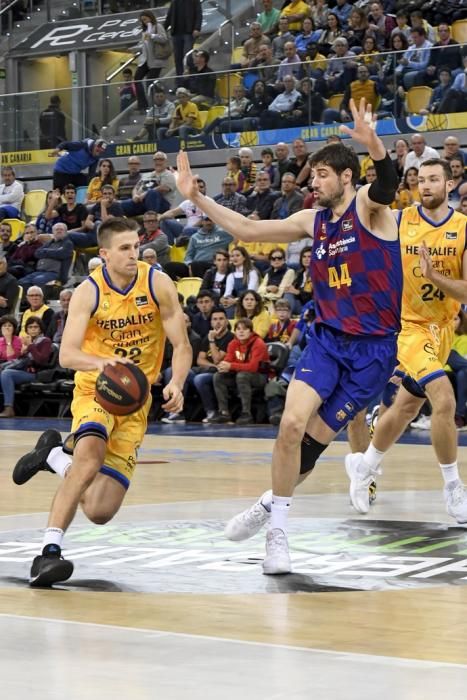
{"x":346,"y":371}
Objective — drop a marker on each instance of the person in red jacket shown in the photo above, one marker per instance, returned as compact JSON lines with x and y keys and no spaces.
{"x":245,"y":367}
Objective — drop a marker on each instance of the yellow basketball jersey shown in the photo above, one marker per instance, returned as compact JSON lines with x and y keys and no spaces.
{"x":422,"y":301}
{"x":125,"y":323}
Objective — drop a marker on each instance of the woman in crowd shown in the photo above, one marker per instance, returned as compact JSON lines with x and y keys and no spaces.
{"x":457,"y":364}
{"x":301,"y":291}
{"x":215,"y":278}
{"x":106,"y":176}
{"x":328,"y":35}
{"x":319,"y":13}
{"x":277,"y":278}
{"x":401,"y":148}
{"x":398,"y":42}
{"x":154,"y":49}
{"x":407,"y":193}
{"x":11,"y":345}
{"x":44,"y":225}
{"x":358,"y":27}
{"x":244,"y":276}
{"x":371,"y":55}
{"x":36,"y":354}
{"x":250,"y":305}
{"x":260,"y":99}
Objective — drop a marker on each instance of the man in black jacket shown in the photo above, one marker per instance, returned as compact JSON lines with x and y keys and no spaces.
{"x":8,"y":289}
{"x":261,"y":200}
{"x":184,"y":18}
{"x":52,"y":124}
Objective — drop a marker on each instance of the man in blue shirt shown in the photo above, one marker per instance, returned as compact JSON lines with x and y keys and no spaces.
{"x":80,"y":156}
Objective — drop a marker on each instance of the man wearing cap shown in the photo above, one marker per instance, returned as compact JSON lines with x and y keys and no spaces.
{"x":81,"y":155}
{"x":186,"y":120}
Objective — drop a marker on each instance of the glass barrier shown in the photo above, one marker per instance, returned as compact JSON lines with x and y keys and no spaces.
{"x":258,"y":105}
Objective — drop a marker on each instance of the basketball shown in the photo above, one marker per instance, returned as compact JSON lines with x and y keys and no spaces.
{"x":121,"y":389}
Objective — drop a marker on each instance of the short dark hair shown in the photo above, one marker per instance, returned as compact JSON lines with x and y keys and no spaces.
{"x":339,"y":157}
{"x":438,"y":161}
{"x":224,"y":253}
{"x":113,"y":226}
{"x":206,"y":293}
{"x":34,"y":319}
{"x":267,"y":152}
{"x":418,"y":30}
{"x":9,"y":318}
{"x":108,"y":187}
{"x":69,"y":187}
{"x":219,"y":310}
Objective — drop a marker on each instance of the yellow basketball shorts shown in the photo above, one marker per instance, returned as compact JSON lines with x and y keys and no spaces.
{"x":123,"y":434}
{"x":422,"y":350}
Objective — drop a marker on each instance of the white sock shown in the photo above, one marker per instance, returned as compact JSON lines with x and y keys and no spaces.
{"x":373,"y":457}
{"x":449,"y":472}
{"x":266,"y":500}
{"x":53,"y":535}
{"x":59,"y":461}
{"x":280,"y":507}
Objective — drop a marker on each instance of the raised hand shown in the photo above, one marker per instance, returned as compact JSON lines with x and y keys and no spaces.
{"x":426,"y":263}
{"x":187,"y":183}
{"x":364,"y":121}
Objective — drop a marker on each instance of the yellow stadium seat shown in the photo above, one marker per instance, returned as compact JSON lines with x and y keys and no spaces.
{"x":177,"y":253}
{"x":418,"y":98}
{"x":334,"y":102}
{"x":188,"y":286}
{"x":34,"y":203}
{"x":17,"y":227}
{"x":459,"y":31}
{"x":237,"y":55}
{"x":214,"y":112}
{"x":203,"y":115}
{"x":226,"y":83}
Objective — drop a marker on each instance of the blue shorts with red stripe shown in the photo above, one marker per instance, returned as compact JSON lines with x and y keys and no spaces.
{"x":346,"y":371}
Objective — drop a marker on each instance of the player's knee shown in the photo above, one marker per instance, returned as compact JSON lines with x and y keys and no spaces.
{"x":98,"y":516}
{"x":444,"y":405}
{"x":291,"y":428}
{"x":310,"y":451}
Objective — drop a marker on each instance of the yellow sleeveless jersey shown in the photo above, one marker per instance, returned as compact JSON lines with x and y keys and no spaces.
{"x":125,"y":323}
{"x":422,"y":301}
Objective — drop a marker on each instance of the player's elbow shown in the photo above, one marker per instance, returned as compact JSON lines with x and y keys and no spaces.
{"x":65,"y":357}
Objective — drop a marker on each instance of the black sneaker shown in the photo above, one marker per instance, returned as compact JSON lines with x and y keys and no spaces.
{"x":220,"y":418}
{"x":49,"y":568}
{"x":244,"y":419}
{"x":32,"y":462}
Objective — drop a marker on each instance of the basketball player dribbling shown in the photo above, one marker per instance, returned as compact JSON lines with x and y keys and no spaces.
{"x":121,"y":313}
{"x":433,"y":244}
{"x":351,"y":352}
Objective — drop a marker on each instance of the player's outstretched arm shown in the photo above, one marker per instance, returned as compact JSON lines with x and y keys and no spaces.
{"x":383,"y":191}
{"x":81,"y":307}
{"x":173,"y":321}
{"x":299,"y":225}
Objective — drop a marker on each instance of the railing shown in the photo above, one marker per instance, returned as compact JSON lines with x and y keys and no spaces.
{"x":102,"y":109}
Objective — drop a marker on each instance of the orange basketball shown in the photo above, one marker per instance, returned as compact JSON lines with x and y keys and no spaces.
{"x":121,"y":389}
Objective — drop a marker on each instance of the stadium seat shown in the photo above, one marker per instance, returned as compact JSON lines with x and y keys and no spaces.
{"x":81,"y":193}
{"x":226,"y":83}
{"x":34,"y":202}
{"x":17,"y":227}
{"x":334,"y":102}
{"x":214,"y":112}
{"x":237,"y":55}
{"x":177,"y":253}
{"x":459,"y":31}
{"x":188,"y":286}
{"x":418,"y":98}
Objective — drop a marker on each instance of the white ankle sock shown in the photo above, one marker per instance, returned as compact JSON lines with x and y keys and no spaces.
{"x":59,"y":461}
{"x":280,"y":507}
{"x":53,"y":535}
{"x":449,"y":472}
{"x":266,"y":500}
{"x":373,"y":457}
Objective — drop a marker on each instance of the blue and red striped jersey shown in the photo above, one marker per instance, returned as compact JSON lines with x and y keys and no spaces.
{"x":357,"y":277}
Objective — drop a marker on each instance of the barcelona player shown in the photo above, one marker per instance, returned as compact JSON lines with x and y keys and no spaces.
{"x":433,"y":244}
{"x":121,"y":313}
{"x":356,"y":274}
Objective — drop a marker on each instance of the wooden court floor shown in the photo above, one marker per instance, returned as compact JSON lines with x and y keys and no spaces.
{"x":384,"y":594}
